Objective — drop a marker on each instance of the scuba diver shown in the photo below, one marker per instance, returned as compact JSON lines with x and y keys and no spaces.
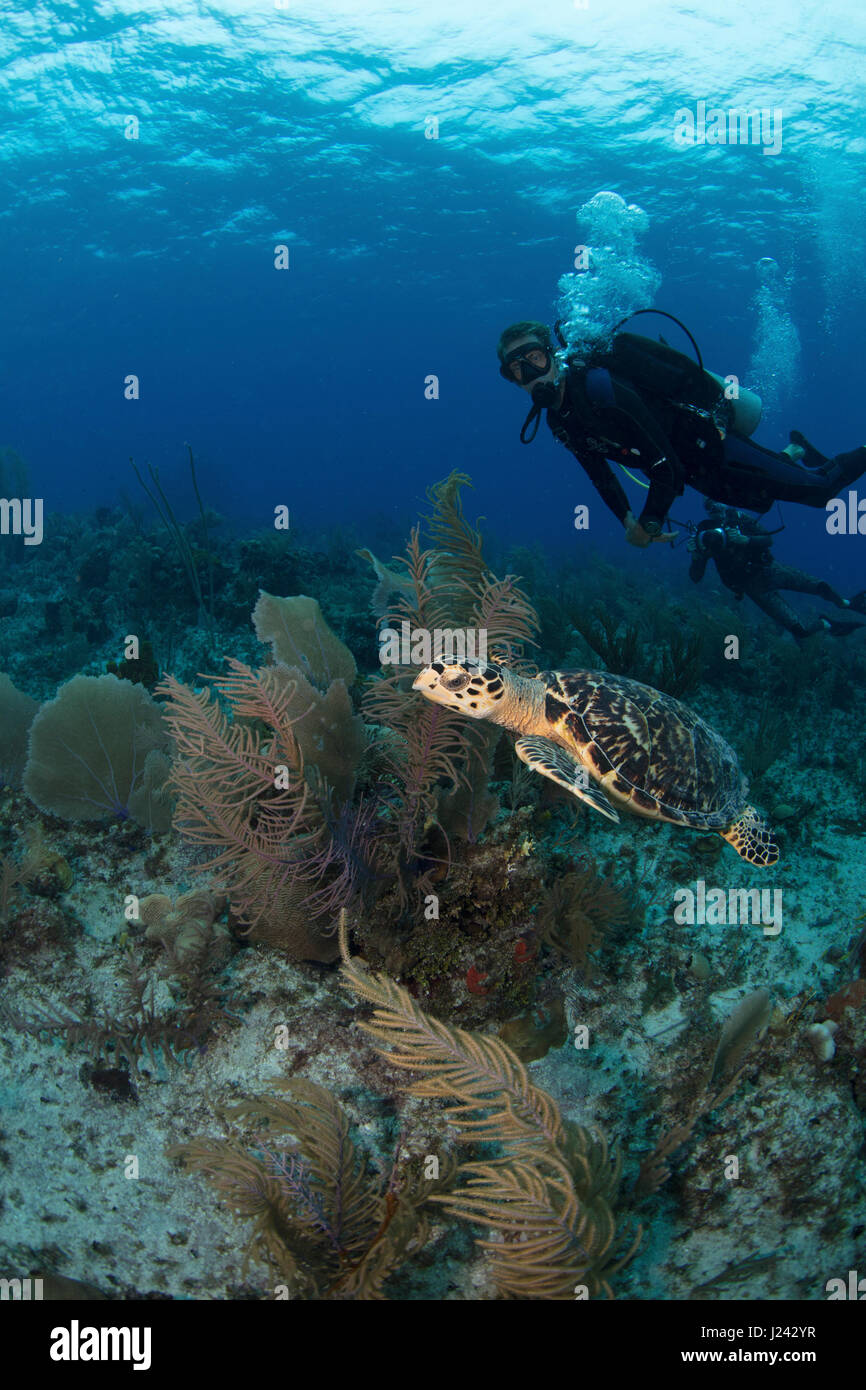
{"x":741,"y":550}
{"x":642,"y":404}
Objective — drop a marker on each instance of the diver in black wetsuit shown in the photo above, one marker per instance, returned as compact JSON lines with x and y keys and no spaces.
{"x":654,"y":410}
{"x":742,"y":552}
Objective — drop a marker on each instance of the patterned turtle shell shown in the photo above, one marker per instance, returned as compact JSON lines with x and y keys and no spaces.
{"x":646,"y":748}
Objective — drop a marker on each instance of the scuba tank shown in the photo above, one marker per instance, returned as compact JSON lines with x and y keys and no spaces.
{"x":746,"y":409}
{"x":661,"y":370}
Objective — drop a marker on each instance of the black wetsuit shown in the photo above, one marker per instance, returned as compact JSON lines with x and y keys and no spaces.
{"x":749,"y":568}
{"x":674,"y":440}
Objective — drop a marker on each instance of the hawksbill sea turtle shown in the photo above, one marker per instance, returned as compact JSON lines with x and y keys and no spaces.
{"x":612,"y":742}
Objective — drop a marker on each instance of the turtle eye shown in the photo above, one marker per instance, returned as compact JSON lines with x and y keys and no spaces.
{"x":458,"y":682}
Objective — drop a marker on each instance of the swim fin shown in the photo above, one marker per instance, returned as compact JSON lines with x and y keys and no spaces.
{"x":839,"y":629}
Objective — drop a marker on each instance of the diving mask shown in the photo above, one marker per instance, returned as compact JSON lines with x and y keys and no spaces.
{"x":526,"y":363}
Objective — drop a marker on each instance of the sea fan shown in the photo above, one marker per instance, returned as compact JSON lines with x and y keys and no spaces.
{"x":550,"y":1197}
{"x":326,"y":1225}
{"x":437,"y":752}
{"x":243,"y":795}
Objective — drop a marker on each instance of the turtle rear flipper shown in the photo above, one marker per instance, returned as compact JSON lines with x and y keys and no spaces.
{"x":752,"y":839}
{"x":551,"y":761}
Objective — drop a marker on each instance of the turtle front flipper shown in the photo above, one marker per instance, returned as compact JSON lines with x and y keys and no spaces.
{"x":553,"y":762}
{"x":752,"y":839}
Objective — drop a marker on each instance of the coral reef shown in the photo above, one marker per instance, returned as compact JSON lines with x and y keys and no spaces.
{"x":527,"y":976}
{"x":17,"y":712}
{"x":549,"y":1198}
{"x":326,"y":1227}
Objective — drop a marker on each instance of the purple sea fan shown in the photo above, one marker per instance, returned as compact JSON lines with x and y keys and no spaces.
{"x":348,"y":861}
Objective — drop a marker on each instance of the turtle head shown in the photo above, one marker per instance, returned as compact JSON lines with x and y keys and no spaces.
{"x":472,"y":687}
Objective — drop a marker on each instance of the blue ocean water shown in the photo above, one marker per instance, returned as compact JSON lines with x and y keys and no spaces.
{"x":305,"y":126}
{"x":282,"y":221}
